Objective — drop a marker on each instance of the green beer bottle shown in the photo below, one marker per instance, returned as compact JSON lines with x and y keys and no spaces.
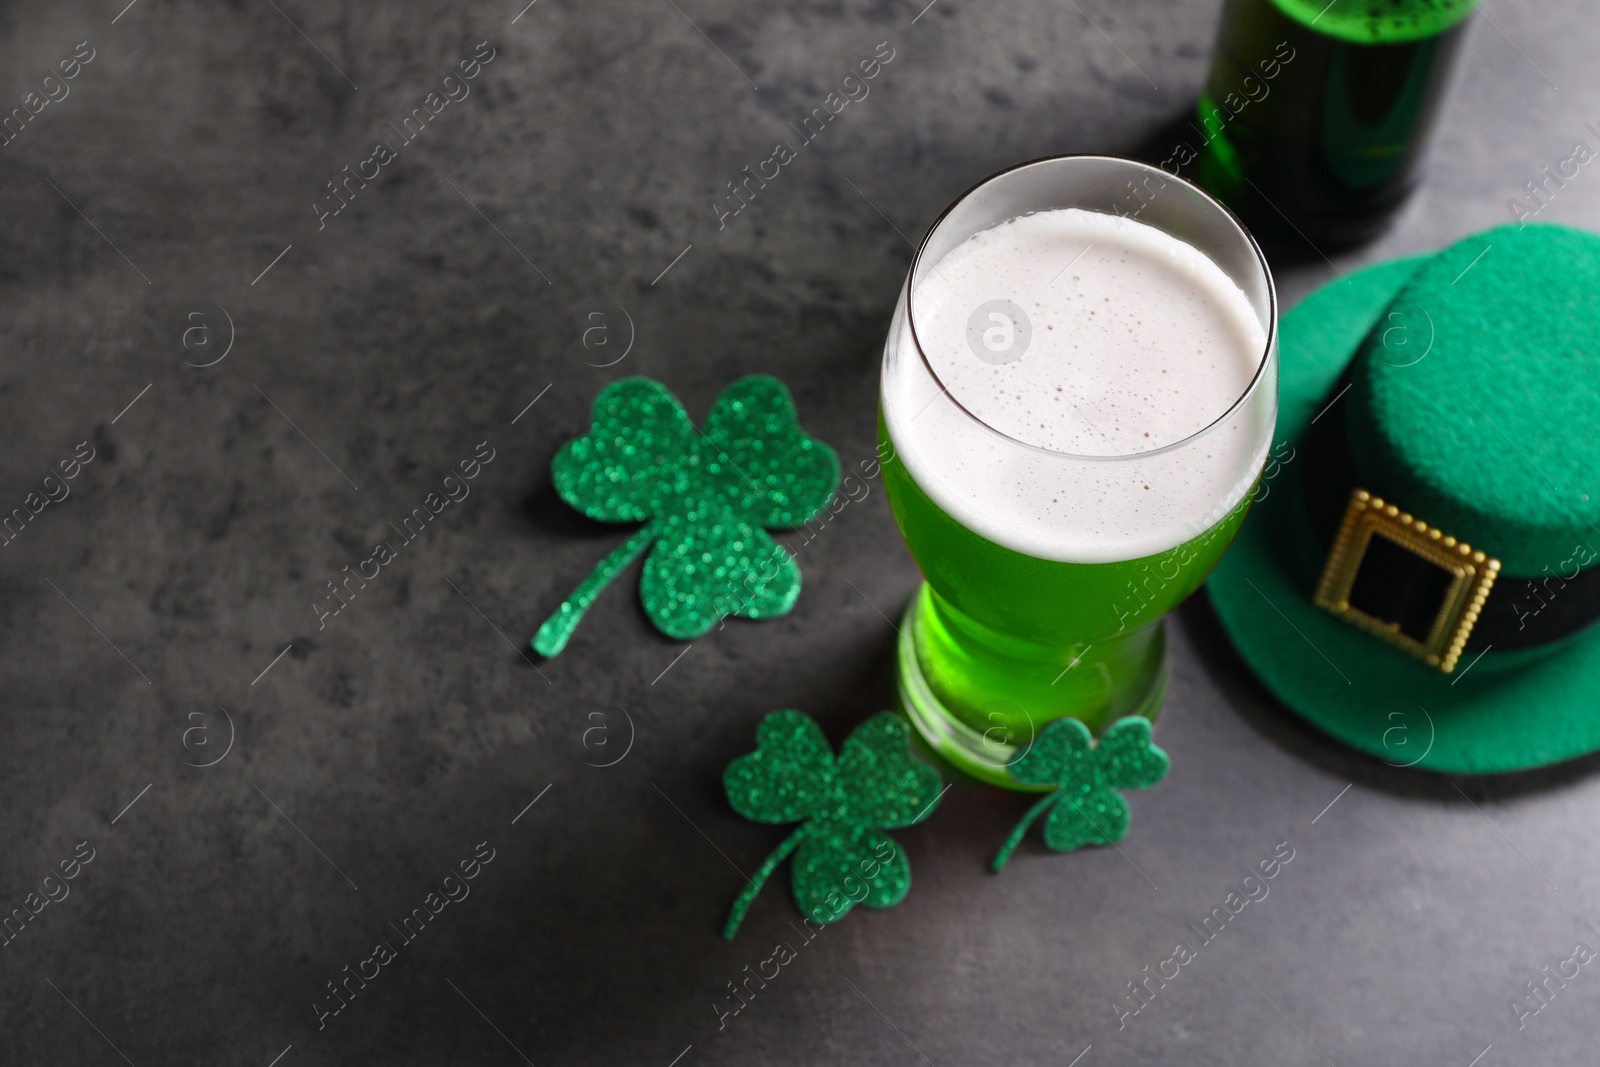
{"x":1318,"y":114}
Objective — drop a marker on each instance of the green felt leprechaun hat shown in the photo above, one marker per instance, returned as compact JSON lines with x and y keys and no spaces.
{"x":1432,"y":539}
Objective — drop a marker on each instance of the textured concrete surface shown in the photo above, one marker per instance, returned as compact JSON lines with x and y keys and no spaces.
{"x":165,"y":207}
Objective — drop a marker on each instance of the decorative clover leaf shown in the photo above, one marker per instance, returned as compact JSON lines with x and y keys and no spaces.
{"x":843,"y":806}
{"x":706,"y":498}
{"x":1084,"y":807}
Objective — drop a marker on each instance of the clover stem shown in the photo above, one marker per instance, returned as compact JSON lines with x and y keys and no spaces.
{"x":557,"y":629}
{"x":748,"y":897}
{"x":1022,"y":828}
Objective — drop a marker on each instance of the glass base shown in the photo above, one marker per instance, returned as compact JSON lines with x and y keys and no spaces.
{"x":981,"y":744}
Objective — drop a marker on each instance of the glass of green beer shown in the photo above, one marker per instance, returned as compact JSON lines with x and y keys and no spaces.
{"x":1078,"y":396}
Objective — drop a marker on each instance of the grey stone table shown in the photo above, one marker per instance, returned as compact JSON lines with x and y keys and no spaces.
{"x":268,"y":373}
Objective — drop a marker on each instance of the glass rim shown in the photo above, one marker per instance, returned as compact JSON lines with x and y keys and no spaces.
{"x":1249,"y":240}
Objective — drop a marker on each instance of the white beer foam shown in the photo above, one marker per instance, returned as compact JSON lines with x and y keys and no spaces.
{"x":1138,"y":341}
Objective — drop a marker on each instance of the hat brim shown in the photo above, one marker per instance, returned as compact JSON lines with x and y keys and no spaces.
{"x":1502,"y":712}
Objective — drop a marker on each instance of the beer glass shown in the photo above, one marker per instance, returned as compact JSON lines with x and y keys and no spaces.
{"x":1048,"y":570}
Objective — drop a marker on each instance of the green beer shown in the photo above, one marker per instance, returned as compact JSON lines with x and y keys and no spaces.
{"x":1076,"y":407}
{"x":1323,"y":110}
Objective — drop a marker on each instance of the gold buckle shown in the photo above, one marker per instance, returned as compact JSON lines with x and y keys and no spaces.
{"x":1472,"y":576}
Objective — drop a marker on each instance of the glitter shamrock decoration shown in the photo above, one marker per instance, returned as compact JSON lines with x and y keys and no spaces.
{"x":1085,"y":808}
{"x":844,"y":805}
{"x":706,"y":498}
